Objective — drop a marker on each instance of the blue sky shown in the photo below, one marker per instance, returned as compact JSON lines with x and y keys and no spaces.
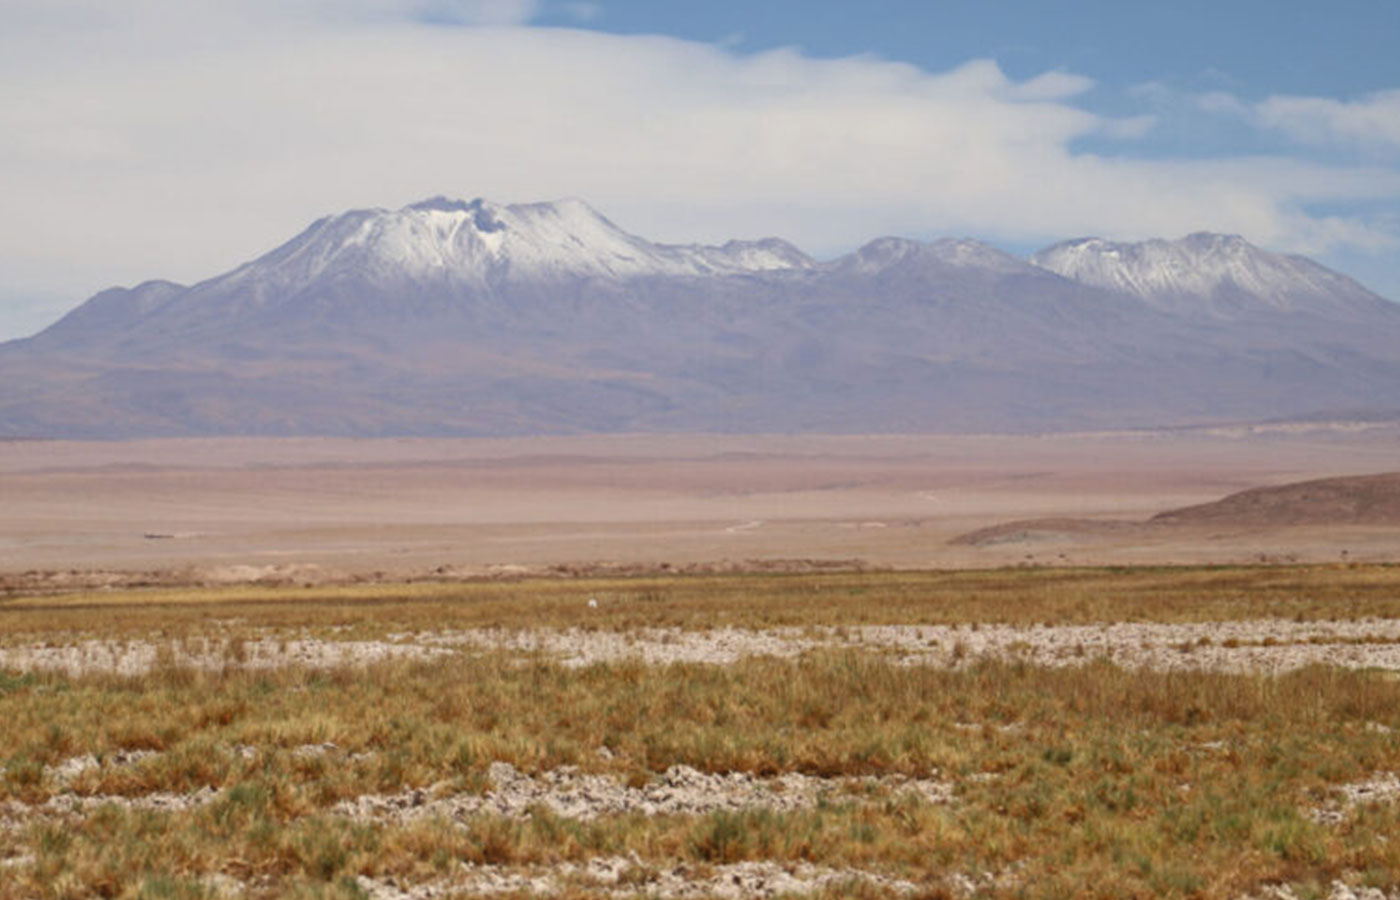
{"x":177,"y":138}
{"x":1259,"y":48}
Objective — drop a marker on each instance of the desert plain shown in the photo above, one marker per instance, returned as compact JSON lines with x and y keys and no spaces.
{"x":325,"y":508}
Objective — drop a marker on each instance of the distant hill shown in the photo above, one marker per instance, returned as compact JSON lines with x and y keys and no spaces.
{"x":1353,"y":500}
{"x":1349,"y":500}
{"x":471,"y":318}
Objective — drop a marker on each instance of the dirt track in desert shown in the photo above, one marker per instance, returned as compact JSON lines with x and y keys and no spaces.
{"x":238,"y":509}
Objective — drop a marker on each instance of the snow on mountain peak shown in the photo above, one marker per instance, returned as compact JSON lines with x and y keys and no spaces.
{"x":481,"y":242}
{"x":880,"y":253}
{"x":970,"y":253}
{"x":885,"y":252}
{"x":1222,"y":275}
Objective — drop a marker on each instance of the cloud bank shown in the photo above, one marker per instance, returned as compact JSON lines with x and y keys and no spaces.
{"x":178,"y":139}
{"x":1372,"y":122}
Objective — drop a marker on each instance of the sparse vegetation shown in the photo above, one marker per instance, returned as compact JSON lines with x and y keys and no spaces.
{"x":1008,"y":596}
{"x":1084,"y":780}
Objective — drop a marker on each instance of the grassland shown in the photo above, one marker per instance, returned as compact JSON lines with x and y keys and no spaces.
{"x":1077,"y":780}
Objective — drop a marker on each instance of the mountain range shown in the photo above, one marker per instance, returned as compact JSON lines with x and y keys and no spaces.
{"x":472,"y":318}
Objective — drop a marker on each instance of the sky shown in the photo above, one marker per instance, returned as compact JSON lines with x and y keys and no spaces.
{"x":175,"y":139}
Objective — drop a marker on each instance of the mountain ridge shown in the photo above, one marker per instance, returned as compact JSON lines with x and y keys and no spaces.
{"x":470,"y":317}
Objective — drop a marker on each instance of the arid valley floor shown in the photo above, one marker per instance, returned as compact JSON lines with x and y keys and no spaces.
{"x":328,"y":508}
{"x":663,"y":666}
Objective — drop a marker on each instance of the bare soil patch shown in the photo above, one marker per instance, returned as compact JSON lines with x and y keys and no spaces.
{"x":1034,"y":531}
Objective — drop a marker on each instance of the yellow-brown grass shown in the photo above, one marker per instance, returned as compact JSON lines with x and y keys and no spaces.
{"x":1013,"y":596}
{"x":1145,"y":784}
{"x":1080,"y":781}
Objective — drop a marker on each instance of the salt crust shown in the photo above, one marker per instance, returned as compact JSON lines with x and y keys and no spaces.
{"x":1268,"y":645}
{"x":1383,"y":787}
{"x":1265,"y":645}
{"x":680,"y":790}
{"x":625,"y":877}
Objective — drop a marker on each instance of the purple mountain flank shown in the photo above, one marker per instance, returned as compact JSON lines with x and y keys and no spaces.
{"x":471,"y":318}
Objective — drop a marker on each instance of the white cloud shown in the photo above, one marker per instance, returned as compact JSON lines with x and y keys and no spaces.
{"x":470,"y":12}
{"x":1052,"y":85}
{"x":583,"y":12}
{"x":1373,"y":122}
{"x":214,"y":14}
{"x":1222,"y":102}
{"x":184,"y":139}
{"x":1130,"y":128}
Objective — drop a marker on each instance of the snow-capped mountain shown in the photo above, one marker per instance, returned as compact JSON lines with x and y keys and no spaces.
{"x":485,"y":243}
{"x":885,"y":253}
{"x":436,"y":254}
{"x":452,"y":317}
{"x":1213,"y":274}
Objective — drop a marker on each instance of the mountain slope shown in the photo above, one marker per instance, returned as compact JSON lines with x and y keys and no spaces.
{"x":451,"y":317}
{"x":435,"y":252}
